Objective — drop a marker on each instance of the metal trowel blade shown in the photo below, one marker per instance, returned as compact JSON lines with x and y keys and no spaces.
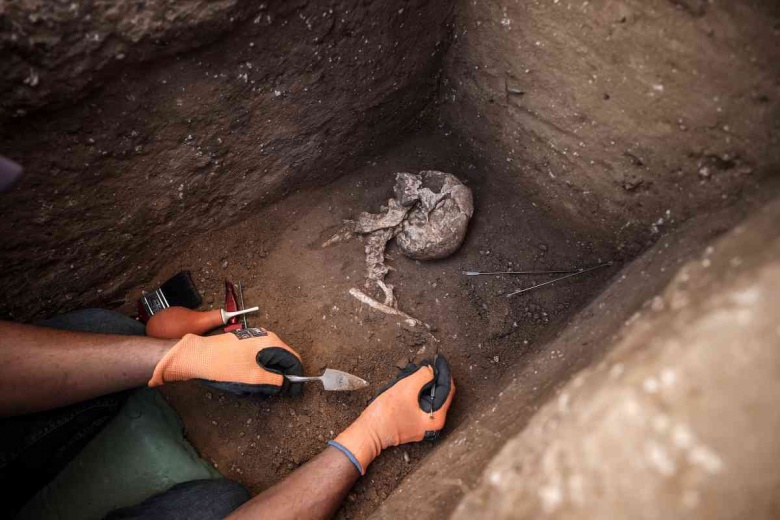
{"x":336,"y":380}
{"x":333,"y":380}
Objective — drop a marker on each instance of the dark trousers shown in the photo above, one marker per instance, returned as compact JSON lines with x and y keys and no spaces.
{"x":35,"y":447}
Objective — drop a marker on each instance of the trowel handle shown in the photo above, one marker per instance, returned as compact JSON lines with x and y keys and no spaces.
{"x":301,"y":379}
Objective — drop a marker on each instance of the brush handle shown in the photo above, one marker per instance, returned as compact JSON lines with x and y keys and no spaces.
{"x":227,"y":315}
{"x":175,"y":322}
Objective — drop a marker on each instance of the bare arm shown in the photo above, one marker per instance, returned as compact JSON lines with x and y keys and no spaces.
{"x":315,"y":490}
{"x":42,"y":368}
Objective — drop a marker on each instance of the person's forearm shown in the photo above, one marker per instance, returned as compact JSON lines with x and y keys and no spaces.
{"x":42,"y":368}
{"x":313,"y":491}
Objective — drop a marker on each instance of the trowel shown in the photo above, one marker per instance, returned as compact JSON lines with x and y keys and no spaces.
{"x":333,"y":380}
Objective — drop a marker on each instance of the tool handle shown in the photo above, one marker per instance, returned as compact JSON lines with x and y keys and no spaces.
{"x":301,"y":379}
{"x":227,"y":315}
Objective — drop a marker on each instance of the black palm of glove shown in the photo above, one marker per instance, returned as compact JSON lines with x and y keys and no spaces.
{"x":413,"y":407}
{"x":432,"y":395}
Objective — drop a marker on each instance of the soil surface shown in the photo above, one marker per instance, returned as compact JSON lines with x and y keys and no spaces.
{"x":302,"y":291}
{"x":599,"y":127}
{"x":460,"y":463}
{"x":164,"y":133}
{"x":679,"y":419}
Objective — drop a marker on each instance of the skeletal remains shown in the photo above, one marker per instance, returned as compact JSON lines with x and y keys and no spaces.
{"x":427,"y":216}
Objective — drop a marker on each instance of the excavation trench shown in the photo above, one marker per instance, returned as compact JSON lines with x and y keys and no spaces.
{"x":303,"y":292}
{"x":233,"y":139}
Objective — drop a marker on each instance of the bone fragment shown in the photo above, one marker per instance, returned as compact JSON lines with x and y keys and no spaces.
{"x":392,"y":215}
{"x":381,"y":307}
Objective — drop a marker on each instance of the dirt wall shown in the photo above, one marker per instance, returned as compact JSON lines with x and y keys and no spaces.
{"x":142,"y":125}
{"x":458,"y":464}
{"x":625,"y":122}
{"x":681,"y":418}
{"x":624,"y":117}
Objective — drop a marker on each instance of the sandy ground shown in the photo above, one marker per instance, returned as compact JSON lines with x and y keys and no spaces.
{"x":302,"y":291}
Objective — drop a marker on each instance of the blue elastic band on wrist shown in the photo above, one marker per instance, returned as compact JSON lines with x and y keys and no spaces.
{"x":349,"y":455}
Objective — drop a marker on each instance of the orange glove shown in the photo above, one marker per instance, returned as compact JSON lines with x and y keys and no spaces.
{"x":249,"y":361}
{"x":400,"y":413}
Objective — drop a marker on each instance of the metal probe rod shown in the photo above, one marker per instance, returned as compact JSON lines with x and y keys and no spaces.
{"x":480,"y":273}
{"x":241,"y":301}
{"x":558,"y":279}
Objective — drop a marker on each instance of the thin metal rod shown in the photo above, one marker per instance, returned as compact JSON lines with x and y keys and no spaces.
{"x":479,"y":273}
{"x":558,"y":279}
{"x":241,"y":301}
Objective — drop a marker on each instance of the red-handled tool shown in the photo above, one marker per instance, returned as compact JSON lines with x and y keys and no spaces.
{"x":231,"y":305}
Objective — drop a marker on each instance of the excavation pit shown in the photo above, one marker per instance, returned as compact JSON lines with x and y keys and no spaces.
{"x":233,"y":140}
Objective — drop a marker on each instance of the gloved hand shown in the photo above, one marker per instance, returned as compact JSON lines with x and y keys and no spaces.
{"x":400,"y":413}
{"x":249,"y":361}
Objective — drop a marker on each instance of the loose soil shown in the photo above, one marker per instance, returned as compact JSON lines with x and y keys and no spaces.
{"x":302,"y":291}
